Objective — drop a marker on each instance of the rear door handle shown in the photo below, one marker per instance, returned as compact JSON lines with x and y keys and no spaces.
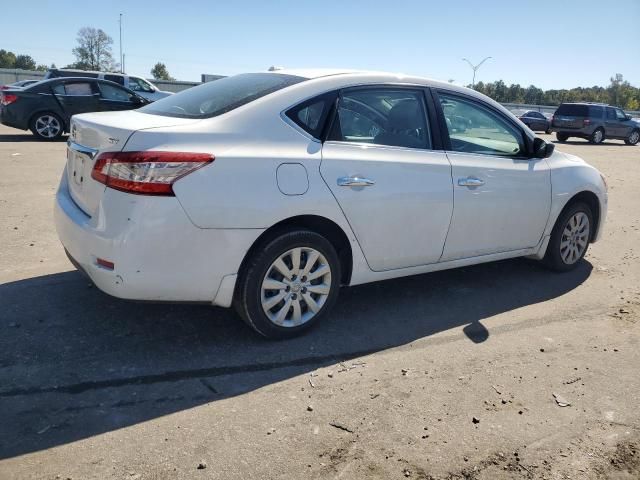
{"x":355,"y":181}
{"x":470,"y":182}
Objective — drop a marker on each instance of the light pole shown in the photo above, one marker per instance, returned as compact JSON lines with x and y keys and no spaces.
{"x":121,"y":57}
{"x":475,"y":69}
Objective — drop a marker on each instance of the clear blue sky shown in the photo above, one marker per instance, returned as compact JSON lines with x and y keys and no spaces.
{"x":552,"y":44}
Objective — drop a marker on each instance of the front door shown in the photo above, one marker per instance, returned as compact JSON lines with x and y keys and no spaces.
{"x":113,"y":97}
{"x":393,"y":188}
{"x":502,"y":199}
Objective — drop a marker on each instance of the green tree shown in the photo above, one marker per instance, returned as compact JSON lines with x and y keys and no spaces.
{"x":7,"y":59}
{"x":160,"y":72}
{"x":94,"y":50}
{"x":25,"y":62}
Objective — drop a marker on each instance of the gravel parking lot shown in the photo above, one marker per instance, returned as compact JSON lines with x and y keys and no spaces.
{"x":445,"y":375}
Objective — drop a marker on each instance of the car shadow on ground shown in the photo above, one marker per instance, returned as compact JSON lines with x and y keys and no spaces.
{"x":606,"y":143}
{"x":27,"y":137}
{"x":75,"y":363}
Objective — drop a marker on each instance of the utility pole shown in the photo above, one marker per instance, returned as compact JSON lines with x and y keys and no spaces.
{"x":121,"y":55}
{"x":475,"y":69}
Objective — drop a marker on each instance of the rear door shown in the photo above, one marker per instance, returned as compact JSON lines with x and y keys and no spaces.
{"x":394,"y":187}
{"x":76,"y":96}
{"x":502,"y":198}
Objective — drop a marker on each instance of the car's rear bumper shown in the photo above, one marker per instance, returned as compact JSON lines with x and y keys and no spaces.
{"x":8,"y":118}
{"x":158,"y":254}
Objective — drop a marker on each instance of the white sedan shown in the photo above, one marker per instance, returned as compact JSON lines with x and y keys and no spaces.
{"x":269,"y":191}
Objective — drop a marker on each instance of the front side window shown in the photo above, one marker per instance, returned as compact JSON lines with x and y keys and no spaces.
{"x":111,"y":92}
{"x":474,"y":128}
{"x":139,"y":85}
{"x":382,"y":116}
{"x":611,"y":114}
{"x":620,"y":115}
{"x":220,"y":96}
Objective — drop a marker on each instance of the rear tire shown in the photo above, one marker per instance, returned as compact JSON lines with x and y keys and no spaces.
{"x":597,"y":137}
{"x":548,"y":130}
{"x":562,"y":137}
{"x":46,"y":126}
{"x":570,"y":238}
{"x":279,"y":304}
{"x":633,"y":138}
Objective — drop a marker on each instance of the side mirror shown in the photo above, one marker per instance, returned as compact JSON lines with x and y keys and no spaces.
{"x":135,"y":99}
{"x":542,"y":149}
{"x":629,"y":117}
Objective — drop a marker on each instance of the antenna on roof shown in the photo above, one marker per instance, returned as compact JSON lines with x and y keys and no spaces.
{"x":274,"y":68}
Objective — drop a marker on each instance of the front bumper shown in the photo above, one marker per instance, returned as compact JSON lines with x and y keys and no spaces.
{"x":158,"y":254}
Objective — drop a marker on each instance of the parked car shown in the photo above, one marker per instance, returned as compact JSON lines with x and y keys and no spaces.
{"x":536,"y":121}
{"x":268,"y":191}
{"x":594,"y":122}
{"x":20,"y":84}
{"x":47,"y":106}
{"x":142,"y":87}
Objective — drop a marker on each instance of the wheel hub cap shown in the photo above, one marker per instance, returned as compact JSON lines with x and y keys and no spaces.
{"x":295,"y":287}
{"x":575,"y":238}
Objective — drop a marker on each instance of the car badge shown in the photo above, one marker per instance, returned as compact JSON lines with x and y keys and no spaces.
{"x":113,"y":140}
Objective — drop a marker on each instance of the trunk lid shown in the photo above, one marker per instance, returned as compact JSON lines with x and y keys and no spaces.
{"x":90,"y":135}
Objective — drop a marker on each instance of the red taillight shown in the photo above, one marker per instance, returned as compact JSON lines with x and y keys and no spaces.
{"x":8,"y":98}
{"x":586,"y":122}
{"x":146,"y":173}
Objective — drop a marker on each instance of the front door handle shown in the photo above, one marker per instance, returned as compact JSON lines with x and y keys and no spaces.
{"x":470,"y":182}
{"x":355,"y":181}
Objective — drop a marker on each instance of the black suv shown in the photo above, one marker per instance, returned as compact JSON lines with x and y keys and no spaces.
{"x":594,"y":122}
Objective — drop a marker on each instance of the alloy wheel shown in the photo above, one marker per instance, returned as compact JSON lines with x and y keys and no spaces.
{"x":597,"y":136}
{"x":575,"y":238}
{"x":295,"y":287}
{"x":48,"y":126}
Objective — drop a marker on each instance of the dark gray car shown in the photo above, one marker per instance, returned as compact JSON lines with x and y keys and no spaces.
{"x":594,"y":122}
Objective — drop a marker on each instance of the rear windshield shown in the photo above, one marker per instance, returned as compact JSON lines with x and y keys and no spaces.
{"x":578,"y":110}
{"x":220,"y":96}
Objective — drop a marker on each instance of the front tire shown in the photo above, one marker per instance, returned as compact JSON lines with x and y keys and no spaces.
{"x":597,"y":137}
{"x":289,"y":284}
{"x":47,"y":126}
{"x":562,"y":137}
{"x":633,"y":138}
{"x":569,"y":238}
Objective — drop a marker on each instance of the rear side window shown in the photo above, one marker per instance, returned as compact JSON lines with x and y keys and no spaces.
{"x":573,"y":110}
{"x":220,"y":96}
{"x":596,"y":112}
{"x":382,"y":116}
{"x":73,"y":88}
{"x":312,"y":114}
{"x":115,"y":78}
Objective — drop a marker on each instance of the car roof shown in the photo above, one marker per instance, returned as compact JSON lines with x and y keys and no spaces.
{"x":74,"y":70}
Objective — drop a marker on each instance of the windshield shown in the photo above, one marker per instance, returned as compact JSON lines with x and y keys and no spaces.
{"x":220,"y":96}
